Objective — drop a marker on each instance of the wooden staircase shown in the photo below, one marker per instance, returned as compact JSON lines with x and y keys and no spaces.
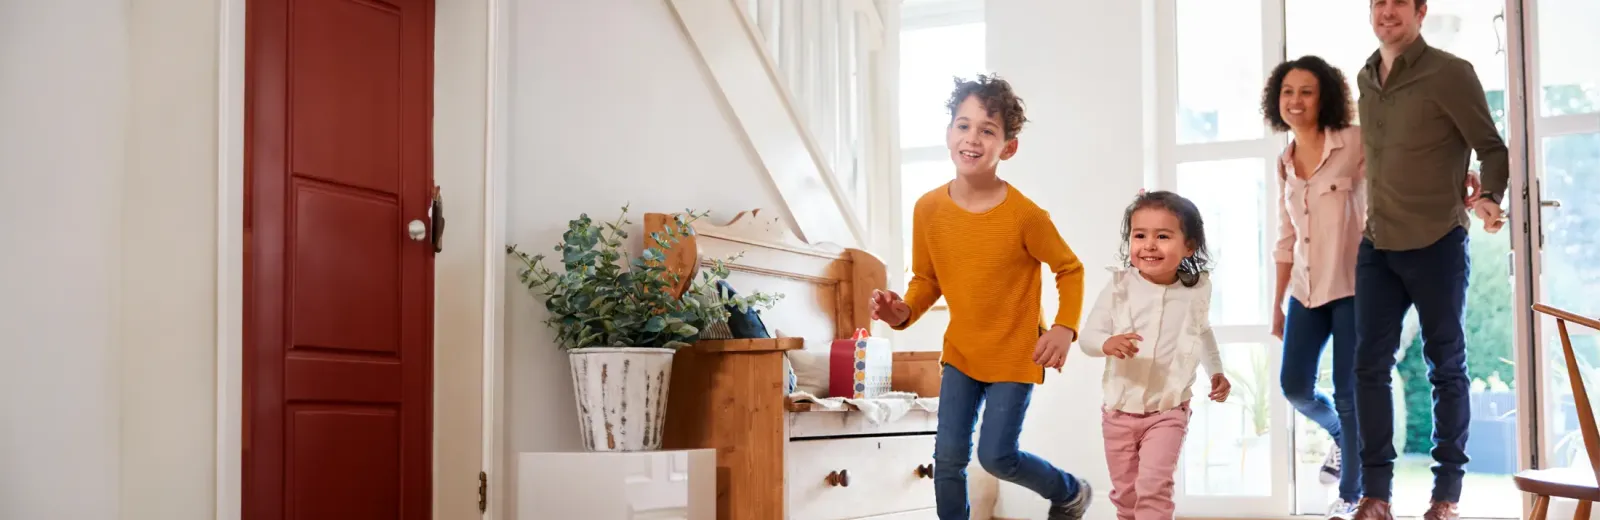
{"x":805,"y":81}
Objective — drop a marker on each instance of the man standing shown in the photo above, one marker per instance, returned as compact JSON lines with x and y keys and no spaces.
{"x":1423,"y":112}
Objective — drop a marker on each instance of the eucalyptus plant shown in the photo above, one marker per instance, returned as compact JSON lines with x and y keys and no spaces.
{"x":600,"y":300}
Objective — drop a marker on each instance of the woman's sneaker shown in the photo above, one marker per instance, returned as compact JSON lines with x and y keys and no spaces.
{"x":1330,"y":466}
{"x":1341,"y":510}
{"x":1074,"y":509}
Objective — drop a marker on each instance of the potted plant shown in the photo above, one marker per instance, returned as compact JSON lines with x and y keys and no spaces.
{"x":620,"y":318}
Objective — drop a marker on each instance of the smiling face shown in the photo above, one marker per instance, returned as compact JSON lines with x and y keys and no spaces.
{"x":1156,"y":244}
{"x":1397,"y":21}
{"x":1299,"y":98}
{"x":977,"y":140}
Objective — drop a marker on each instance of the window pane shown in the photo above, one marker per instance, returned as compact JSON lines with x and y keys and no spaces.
{"x":1219,"y":71}
{"x":1569,"y":74}
{"x":1569,"y":279}
{"x":917,"y":179}
{"x":1231,"y":196}
{"x":1229,"y":448}
{"x":929,"y":60}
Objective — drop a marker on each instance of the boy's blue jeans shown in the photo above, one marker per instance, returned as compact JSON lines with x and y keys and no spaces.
{"x":1004,"y":405}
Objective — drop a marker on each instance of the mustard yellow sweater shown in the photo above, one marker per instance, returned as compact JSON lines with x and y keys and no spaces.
{"x":987,"y":267}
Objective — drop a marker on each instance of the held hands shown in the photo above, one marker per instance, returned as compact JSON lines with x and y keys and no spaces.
{"x":1486,"y":210}
{"x":1490,"y":213}
{"x":1220,"y":387}
{"x":1122,"y":346}
{"x":889,"y":308}
{"x":1051,"y":350}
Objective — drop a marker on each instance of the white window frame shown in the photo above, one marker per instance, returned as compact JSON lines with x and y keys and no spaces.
{"x":1170,"y":154}
{"x":917,"y":15}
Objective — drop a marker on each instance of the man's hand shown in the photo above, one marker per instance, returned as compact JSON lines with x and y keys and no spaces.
{"x":1122,"y":346}
{"x":1277,"y":323}
{"x":1474,"y":188}
{"x":889,"y":308}
{"x":1051,"y":350}
{"x":1220,"y":387}
{"x":1490,"y":213}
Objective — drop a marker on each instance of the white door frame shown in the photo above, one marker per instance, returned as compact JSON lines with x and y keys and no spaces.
{"x":1525,"y":197}
{"x":1280,"y":500}
{"x":489,"y":210}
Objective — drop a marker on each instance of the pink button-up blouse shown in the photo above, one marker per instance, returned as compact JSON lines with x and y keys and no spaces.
{"x":1321,"y":218}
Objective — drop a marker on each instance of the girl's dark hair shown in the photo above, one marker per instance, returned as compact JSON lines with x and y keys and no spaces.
{"x":1333,"y":105}
{"x":1189,"y":222}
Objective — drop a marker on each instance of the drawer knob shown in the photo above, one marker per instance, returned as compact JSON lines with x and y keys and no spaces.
{"x":839,"y":478}
{"x":924,"y":471}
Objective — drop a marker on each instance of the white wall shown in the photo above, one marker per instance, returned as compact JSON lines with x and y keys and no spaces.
{"x":169,"y":232}
{"x":63,"y":93}
{"x":1083,"y":157}
{"x":610,"y":106}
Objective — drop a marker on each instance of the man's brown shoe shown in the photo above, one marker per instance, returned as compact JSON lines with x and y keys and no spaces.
{"x":1442,"y":511}
{"x":1372,"y":509}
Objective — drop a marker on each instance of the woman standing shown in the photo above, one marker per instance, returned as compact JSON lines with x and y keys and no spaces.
{"x":1321,"y":211}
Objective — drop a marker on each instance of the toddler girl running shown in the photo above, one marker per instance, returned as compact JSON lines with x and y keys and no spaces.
{"x":1162,"y":302}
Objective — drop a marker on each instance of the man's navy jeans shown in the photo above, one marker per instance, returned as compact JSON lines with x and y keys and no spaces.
{"x":1434,"y":279}
{"x":1004,"y":405}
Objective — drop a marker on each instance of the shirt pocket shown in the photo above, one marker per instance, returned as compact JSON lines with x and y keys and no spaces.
{"x":1333,"y":203}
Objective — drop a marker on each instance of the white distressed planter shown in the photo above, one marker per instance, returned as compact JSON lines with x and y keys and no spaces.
{"x":621,"y":395}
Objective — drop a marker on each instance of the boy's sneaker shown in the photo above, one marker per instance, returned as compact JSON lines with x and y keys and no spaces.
{"x":1330,"y":466}
{"x":1074,"y":509}
{"x":1341,"y":510}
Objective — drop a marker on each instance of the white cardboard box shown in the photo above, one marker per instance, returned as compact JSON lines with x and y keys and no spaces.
{"x":651,"y":485}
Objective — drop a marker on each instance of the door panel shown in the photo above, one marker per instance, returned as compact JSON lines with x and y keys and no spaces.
{"x":338,"y":303}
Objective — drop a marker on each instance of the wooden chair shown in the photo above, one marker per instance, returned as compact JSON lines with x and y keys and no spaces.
{"x":1574,"y":483}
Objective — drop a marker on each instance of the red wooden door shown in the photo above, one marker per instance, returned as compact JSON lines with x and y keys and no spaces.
{"x":338,"y":295}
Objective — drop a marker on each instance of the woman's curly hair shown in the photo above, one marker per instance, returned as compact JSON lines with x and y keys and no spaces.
{"x":996,"y":96}
{"x":1334,"y":108}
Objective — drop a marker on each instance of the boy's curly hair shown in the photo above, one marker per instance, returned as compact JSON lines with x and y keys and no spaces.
{"x":996,"y":96}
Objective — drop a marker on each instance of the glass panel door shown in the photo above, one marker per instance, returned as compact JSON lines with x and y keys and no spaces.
{"x":1563,"y":111}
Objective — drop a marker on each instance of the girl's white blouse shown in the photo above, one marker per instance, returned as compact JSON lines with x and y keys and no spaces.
{"x":1173,"y":321}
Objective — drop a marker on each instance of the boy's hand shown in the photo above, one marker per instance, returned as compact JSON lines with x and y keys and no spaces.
{"x":1122,"y":346}
{"x":889,"y":308}
{"x":1220,"y":387}
{"x":1051,"y":350}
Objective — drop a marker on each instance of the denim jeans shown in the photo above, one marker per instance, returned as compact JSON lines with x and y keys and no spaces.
{"x":1434,"y":280}
{"x":1305,"y":332}
{"x":1004,"y":405}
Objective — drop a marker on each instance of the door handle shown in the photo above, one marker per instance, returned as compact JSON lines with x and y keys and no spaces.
{"x":436,"y":214}
{"x":1550,"y":203}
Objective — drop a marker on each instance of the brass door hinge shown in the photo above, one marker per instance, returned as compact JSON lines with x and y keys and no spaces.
{"x":483,"y":492}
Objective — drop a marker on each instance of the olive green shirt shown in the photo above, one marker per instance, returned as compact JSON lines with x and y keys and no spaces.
{"x":1418,"y":129}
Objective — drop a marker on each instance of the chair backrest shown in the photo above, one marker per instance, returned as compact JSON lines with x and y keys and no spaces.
{"x":1580,"y":397}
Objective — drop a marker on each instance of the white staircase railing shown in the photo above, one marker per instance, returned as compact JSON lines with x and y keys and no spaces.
{"x":827,"y":52}
{"x":803,"y":78}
